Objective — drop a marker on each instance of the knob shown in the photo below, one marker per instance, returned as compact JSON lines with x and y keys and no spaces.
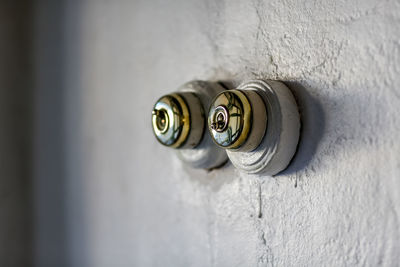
{"x":179,"y":122}
{"x":258,"y":124}
{"x":231,"y":118}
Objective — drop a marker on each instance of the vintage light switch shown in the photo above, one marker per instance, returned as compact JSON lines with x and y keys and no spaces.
{"x":258,"y":124}
{"x":179,"y":121}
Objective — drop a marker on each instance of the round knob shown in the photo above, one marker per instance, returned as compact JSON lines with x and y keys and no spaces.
{"x":178,"y":120}
{"x":237,"y":119}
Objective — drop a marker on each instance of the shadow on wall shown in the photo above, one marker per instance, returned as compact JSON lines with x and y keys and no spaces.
{"x":15,"y":133}
{"x":51,"y":194}
{"x":49,"y":180}
{"x":312,"y":127}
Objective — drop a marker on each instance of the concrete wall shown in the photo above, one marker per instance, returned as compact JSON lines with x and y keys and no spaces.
{"x":129,"y":201}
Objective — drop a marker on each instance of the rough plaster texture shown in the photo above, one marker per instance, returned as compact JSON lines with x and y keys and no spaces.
{"x":130,"y":202}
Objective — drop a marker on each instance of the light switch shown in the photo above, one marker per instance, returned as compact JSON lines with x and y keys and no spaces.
{"x":179,"y":122}
{"x":258,"y":124}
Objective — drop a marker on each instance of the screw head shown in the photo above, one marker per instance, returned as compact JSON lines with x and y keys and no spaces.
{"x":229,"y":119}
{"x":162,"y":120}
{"x":220,"y":119}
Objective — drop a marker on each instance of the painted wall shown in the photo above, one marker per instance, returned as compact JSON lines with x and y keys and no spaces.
{"x":128,"y":201}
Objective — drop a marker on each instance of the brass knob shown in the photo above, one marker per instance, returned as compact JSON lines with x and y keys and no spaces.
{"x":178,"y":120}
{"x":231,"y":120}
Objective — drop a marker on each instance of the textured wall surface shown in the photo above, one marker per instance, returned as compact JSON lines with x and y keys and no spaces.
{"x":130,"y":201}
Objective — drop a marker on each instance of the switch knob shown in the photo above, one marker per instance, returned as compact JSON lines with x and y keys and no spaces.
{"x":237,"y":120}
{"x":179,"y":122}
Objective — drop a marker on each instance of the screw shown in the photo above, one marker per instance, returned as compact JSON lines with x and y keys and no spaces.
{"x":161,"y":119}
{"x":221,"y":119}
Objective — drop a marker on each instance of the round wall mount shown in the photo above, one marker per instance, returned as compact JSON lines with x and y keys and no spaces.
{"x":206,"y":154}
{"x":269,"y":141}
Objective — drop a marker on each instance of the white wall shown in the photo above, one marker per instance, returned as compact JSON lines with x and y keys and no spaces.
{"x":129,"y":201}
